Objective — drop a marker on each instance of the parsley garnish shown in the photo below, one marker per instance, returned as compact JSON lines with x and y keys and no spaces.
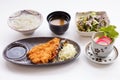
{"x":109,"y":31}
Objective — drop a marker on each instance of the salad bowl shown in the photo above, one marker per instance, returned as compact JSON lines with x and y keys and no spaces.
{"x":89,"y":22}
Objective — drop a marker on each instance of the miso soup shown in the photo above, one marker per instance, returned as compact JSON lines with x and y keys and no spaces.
{"x":58,"y":22}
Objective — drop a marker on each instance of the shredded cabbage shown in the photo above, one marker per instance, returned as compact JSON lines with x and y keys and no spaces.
{"x":68,"y":51}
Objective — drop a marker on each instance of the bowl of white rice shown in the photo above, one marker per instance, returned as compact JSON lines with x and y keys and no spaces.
{"x":25,"y":21}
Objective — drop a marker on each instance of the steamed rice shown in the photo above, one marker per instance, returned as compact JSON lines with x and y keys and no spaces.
{"x":25,"y":22}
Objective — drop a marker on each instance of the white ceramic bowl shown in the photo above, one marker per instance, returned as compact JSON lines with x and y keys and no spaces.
{"x":87,"y":34}
{"x":25,"y":21}
{"x":81,"y":14}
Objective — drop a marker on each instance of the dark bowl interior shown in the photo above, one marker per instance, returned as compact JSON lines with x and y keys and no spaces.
{"x":15,"y":51}
{"x":59,"y":29}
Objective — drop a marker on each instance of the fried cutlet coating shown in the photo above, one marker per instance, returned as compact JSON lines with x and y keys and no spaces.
{"x":43,"y":53}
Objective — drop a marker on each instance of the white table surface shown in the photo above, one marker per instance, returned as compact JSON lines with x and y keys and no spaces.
{"x":81,"y":68}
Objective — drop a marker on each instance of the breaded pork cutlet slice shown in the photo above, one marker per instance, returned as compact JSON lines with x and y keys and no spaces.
{"x":43,"y":53}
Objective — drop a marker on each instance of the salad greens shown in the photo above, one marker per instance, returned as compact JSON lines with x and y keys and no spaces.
{"x":109,"y":31}
{"x":91,"y":21}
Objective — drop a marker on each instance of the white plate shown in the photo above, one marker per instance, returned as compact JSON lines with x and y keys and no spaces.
{"x":110,"y":59}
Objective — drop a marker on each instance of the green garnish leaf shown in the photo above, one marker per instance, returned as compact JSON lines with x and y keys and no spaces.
{"x":109,"y":31}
